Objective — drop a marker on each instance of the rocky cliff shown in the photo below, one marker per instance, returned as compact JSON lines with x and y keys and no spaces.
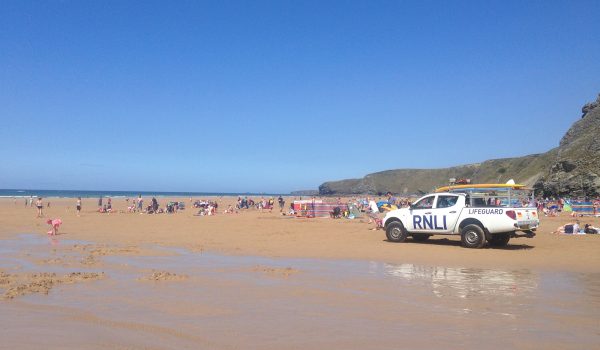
{"x":576,"y":167}
{"x":572,"y":168}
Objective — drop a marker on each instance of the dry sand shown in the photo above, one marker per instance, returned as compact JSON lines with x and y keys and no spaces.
{"x":270,"y":234}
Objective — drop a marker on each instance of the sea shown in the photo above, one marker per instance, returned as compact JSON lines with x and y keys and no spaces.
{"x":19,"y":193}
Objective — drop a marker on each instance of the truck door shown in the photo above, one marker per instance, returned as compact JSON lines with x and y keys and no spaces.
{"x":446,"y":213}
{"x":421,"y":213}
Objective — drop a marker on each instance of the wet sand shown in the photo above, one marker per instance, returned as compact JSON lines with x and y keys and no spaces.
{"x":186,"y":300}
{"x":263,"y":281}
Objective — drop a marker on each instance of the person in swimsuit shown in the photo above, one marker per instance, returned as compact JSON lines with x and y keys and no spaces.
{"x":78,"y":206}
{"x":39,"y":206}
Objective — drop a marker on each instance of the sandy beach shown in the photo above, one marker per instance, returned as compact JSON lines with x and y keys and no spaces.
{"x":261,"y":280}
{"x":270,"y":234}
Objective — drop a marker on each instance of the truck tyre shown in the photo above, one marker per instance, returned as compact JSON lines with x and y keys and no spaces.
{"x":472,"y":236}
{"x":420,"y":237}
{"x":499,"y":239}
{"x":396,"y":232}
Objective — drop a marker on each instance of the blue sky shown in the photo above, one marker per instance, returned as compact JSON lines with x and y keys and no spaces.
{"x":274,"y":96}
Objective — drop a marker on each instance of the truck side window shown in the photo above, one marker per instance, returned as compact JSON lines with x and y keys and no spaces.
{"x":479,"y":202}
{"x":446,"y":201}
{"x":425,"y":203}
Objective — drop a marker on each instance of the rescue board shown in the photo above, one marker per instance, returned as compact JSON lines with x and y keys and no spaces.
{"x":458,"y":187}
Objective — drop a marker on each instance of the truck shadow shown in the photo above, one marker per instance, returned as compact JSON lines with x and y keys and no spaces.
{"x":457,"y":243}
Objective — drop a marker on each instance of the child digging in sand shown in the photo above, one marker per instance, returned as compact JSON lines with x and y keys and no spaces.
{"x":55,"y":223}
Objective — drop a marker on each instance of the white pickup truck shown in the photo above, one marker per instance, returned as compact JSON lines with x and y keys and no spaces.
{"x":476,"y":218}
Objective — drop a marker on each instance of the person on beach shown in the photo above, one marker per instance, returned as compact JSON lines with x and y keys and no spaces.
{"x":281,"y":203}
{"x":78,"y":206}
{"x":571,"y":228}
{"x":374,"y":214}
{"x":154,"y":205}
{"x":140,"y":203}
{"x":55,"y":223}
{"x":100,"y":202}
{"x":39,"y":206}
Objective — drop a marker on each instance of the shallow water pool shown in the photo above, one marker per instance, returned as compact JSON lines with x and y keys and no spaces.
{"x":183,"y":299}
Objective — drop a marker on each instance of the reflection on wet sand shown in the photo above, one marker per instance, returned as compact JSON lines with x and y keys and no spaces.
{"x":183,"y":299}
{"x":467,"y":282}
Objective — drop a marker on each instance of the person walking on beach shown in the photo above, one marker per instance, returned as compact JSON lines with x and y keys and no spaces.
{"x":39,"y":206}
{"x":78,"y":206}
{"x":374,"y":214}
{"x":140,"y":204}
{"x":100,"y":202}
{"x":281,"y":203}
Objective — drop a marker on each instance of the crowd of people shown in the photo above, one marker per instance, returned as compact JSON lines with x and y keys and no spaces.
{"x":554,"y":206}
{"x":204,"y":207}
{"x":262,"y":204}
{"x":371,"y":207}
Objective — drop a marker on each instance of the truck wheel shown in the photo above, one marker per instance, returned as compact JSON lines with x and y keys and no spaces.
{"x":420,"y":237}
{"x":472,"y":236}
{"x":396,"y":232}
{"x":499,"y":239}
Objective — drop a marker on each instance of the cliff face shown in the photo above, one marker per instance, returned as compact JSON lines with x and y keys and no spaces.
{"x":576,"y":168}
{"x":572,"y":168}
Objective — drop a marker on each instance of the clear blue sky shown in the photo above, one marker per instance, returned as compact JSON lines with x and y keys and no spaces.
{"x":273,"y":96}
